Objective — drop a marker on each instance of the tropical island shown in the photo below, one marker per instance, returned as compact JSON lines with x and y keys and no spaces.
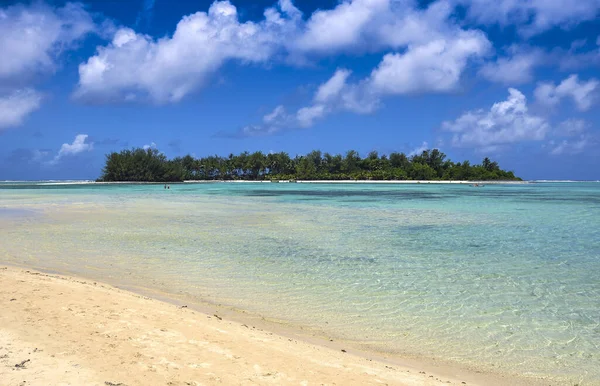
{"x":150,"y":165}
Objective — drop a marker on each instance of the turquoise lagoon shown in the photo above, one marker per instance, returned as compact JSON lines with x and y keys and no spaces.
{"x":503,"y":278}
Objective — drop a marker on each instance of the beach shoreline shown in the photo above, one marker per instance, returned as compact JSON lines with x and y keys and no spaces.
{"x":320,"y":362}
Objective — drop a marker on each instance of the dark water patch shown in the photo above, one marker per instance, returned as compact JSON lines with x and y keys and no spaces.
{"x":337,"y":194}
{"x":261,"y":194}
{"x":314,"y":256}
{"x":555,"y":199}
{"x":419,"y":228}
{"x":540,"y":196}
{"x":475,"y":245}
{"x":16,"y":212}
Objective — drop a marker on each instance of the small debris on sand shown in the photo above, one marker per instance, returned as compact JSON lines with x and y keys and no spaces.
{"x":22,"y":364}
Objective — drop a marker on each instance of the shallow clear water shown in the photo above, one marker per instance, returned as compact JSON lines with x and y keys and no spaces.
{"x":505,"y":278}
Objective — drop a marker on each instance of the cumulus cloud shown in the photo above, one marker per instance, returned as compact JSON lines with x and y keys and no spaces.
{"x":505,"y":123}
{"x":582,"y":93}
{"x":79,"y":145}
{"x":510,"y":122}
{"x":134,"y":67}
{"x":516,"y":67}
{"x":16,"y":106}
{"x":152,"y":145}
{"x":433,"y":67}
{"x":368,"y":25}
{"x":32,"y":37}
{"x":372,"y":25}
{"x":532,"y":16}
{"x":339,"y":28}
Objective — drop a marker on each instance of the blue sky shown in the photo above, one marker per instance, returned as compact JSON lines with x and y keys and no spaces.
{"x":517,"y":81}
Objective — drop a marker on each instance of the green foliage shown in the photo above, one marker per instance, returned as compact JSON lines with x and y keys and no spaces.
{"x":141,"y":165}
{"x":152,"y":166}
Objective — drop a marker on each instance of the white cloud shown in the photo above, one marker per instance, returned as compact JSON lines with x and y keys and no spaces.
{"x":307,"y":115}
{"x":279,"y":119}
{"x":579,"y":55}
{"x":515,"y":68}
{"x":135,"y":66}
{"x":571,"y":136}
{"x":582,"y":93}
{"x":572,"y":127}
{"x":333,"y":87}
{"x":152,"y":145}
{"x":506,"y":122}
{"x":434,"y":67}
{"x":417,"y":151}
{"x":532,"y":16}
{"x":336,"y":94}
{"x":17,"y":105}
{"x":569,"y":146}
{"x":340,"y":28}
{"x":372,"y":25}
{"x":37,"y":155}
{"x":78,"y":146}
{"x":510,"y":122}
{"x":32,"y":37}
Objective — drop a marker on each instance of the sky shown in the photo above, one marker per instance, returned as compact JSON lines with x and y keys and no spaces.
{"x":514,"y":80}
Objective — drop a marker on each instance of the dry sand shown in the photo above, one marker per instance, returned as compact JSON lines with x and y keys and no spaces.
{"x":57,"y":330}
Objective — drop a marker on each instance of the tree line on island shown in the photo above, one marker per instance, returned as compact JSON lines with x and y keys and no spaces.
{"x":150,"y":165}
